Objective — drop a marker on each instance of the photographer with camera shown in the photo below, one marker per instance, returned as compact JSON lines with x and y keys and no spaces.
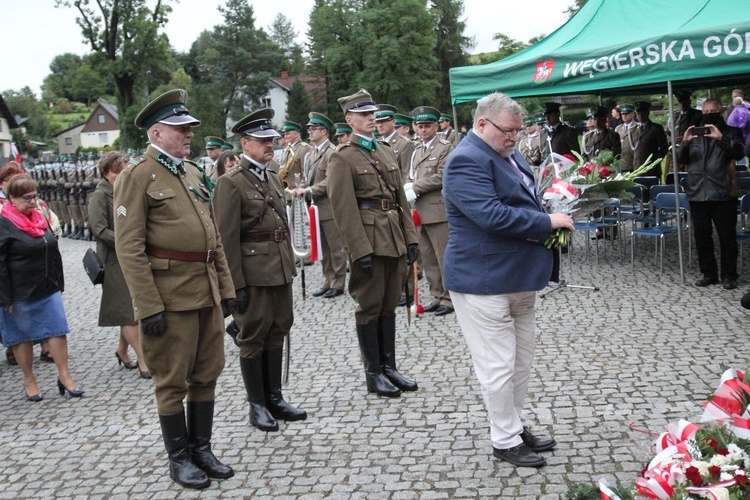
{"x":710,"y":152}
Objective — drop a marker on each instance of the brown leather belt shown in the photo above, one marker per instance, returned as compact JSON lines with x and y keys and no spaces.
{"x":164,"y":253}
{"x":277,"y":236}
{"x":376,"y":204}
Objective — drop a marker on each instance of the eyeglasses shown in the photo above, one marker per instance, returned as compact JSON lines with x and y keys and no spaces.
{"x":267,"y":140}
{"x":506,"y":133}
{"x":30,"y":198}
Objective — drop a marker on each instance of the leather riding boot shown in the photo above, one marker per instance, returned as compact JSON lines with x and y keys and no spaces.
{"x":181,"y":468}
{"x":200,"y":420}
{"x":252,"y":375}
{"x":387,"y":343}
{"x":78,"y":235}
{"x":368,"y":346}
{"x":279,"y":408}
{"x":66,"y":231}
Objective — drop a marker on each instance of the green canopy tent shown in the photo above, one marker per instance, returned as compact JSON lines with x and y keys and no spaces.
{"x":616,"y":44}
{"x":623,"y":46}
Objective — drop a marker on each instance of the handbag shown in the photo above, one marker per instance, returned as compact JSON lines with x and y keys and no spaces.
{"x":93,"y":267}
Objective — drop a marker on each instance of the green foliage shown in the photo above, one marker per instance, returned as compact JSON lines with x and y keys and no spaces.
{"x":283,"y":35}
{"x":297,"y":106}
{"x":24,"y":103}
{"x":573,"y":9}
{"x":452,"y":45}
{"x":582,"y":491}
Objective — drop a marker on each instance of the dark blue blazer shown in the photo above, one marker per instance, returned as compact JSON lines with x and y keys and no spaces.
{"x":497,"y":224}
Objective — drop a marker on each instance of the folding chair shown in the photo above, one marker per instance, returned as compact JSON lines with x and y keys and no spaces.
{"x":664,"y":212}
{"x":743,"y":234}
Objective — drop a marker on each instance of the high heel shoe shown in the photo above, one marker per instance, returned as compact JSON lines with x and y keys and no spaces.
{"x":35,"y":398}
{"x":129,"y":365}
{"x":146,"y":374}
{"x":74,"y":393}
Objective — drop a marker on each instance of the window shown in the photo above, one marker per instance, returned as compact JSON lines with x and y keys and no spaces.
{"x":266,"y":102}
{"x":68,"y":141}
{"x":101,"y":118}
{"x":103,"y":139}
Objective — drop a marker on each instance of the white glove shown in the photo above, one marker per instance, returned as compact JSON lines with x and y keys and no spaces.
{"x":411,"y":196}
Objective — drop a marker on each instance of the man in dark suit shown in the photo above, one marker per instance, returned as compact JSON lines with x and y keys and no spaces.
{"x":495,"y":262}
{"x":651,"y":142}
{"x":561,"y":138}
{"x":598,"y":137}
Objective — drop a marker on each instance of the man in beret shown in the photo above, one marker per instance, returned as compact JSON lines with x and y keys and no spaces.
{"x":629,"y":134}
{"x":214,"y":148}
{"x":174,"y":264}
{"x":598,"y":137}
{"x":293,"y":154}
{"x":343,"y":132}
{"x":316,"y":190}
{"x":385,"y":120}
{"x":561,"y":138}
{"x":423,"y":191}
{"x":651,"y":142}
{"x":251,"y":215}
{"x":446,"y":130}
{"x":370,"y":209}
{"x":530,"y":144}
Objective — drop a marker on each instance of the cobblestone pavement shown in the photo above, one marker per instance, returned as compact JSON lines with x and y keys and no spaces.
{"x":644,"y":348}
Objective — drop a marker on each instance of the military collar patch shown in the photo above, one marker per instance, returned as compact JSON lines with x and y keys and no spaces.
{"x":167,"y":162}
{"x":366,"y":143}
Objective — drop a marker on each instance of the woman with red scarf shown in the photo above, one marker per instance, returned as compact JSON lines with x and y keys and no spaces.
{"x":31,"y":285}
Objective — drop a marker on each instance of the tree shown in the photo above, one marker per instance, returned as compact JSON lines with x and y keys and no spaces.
{"x":24,"y":103}
{"x":282,"y":34}
{"x":58,"y":84}
{"x":297,"y":105}
{"x":127,"y":34}
{"x":399,"y":61}
{"x":573,"y":9}
{"x":452,"y":45}
{"x":88,"y":84}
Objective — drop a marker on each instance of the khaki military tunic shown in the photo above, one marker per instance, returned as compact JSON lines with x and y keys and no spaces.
{"x":629,"y":135}
{"x":596,"y":141}
{"x":300,"y":150}
{"x":334,"y":255}
{"x":403,"y":149}
{"x":384,"y":234}
{"x":531,"y":148}
{"x":256,"y":241}
{"x":451,"y":136}
{"x":155,"y":207}
{"x":427,"y":173}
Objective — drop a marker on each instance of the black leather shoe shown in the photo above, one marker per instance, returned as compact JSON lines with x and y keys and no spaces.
{"x":706,"y":280}
{"x":443,"y":310}
{"x":745,"y":300}
{"x":537,"y":443}
{"x":332,"y":292}
{"x":320,"y":292}
{"x":432,"y":307}
{"x":520,"y":456}
{"x":729,"y":283}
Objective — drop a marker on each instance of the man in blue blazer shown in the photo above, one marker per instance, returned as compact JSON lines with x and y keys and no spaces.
{"x":494,"y":264}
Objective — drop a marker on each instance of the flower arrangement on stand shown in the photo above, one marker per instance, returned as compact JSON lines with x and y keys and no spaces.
{"x":574,"y":186}
{"x":694,"y":461}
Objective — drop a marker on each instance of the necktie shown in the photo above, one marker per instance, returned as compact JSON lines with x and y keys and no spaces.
{"x":529,"y":183}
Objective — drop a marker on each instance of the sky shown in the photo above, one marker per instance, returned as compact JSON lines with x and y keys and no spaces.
{"x":44,"y":31}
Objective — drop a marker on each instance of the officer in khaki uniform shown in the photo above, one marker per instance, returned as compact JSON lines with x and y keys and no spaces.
{"x":385,"y":120}
{"x":629,"y":134}
{"x":343,"y":132}
{"x":424,"y":191}
{"x":292,"y":164}
{"x":447,"y":132}
{"x":214,"y":148}
{"x":403,"y":126}
{"x":316,"y":190}
{"x":372,"y":214}
{"x":530,"y":144}
{"x":598,"y":137}
{"x":251,"y":215}
{"x":173,"y":262}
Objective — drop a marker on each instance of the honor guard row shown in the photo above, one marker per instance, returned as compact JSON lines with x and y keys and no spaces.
{"x":65,"y":184}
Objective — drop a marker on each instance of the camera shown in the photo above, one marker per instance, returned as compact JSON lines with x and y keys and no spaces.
{"x":701,"y":131}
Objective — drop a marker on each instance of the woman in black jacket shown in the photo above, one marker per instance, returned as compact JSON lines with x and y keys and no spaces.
{"x":31,"y":284}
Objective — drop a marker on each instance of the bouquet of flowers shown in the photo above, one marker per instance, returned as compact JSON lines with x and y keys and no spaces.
{"x":702,"y":462}
{"x":576,"y":187}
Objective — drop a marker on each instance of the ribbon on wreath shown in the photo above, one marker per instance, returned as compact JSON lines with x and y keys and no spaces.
{"x":677,"y":432}
{"x":714,"y":492}
{"x":316,"y":247}
{"x":658,"y":482}
{"x":726,"y":402}
{"x":606,"y":492}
